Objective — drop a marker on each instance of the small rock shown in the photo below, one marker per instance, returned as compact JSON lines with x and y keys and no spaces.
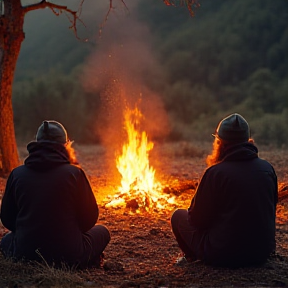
{"x":155,"y":231}
{"x":113,"y":266}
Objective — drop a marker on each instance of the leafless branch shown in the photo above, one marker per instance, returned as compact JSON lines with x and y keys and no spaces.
{"x":57,"y":10}
{"x":191,"y":4}
{"x":80,"y":7}
{"x":108,"y":12}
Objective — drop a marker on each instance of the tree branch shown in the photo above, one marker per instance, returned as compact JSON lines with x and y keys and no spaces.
{"x":57,"y":10}
{"x":191,"y":4}
{"x":107,"y":14}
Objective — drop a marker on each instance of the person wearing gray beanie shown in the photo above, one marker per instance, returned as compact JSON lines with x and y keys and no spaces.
{"x":233,"y":128}
{"x":49,"y":206}
{"x":231,"y":219}
{"x":52,"y":131}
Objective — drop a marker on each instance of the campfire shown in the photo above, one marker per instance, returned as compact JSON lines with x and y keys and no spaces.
{"x":139,"y":188}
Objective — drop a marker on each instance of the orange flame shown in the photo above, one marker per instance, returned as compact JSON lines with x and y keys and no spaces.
{"x":133,"y":164}
{"x":139,"y":189}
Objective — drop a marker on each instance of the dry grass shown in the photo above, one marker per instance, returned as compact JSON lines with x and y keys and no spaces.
{"x":34,"y":274}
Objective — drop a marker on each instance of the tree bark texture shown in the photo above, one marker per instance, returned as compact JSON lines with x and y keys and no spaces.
{"x":11,"y":37}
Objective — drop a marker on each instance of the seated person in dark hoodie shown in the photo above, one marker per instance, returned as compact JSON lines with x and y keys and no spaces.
{"x":231,"y":219}
{"x":49,"y":206}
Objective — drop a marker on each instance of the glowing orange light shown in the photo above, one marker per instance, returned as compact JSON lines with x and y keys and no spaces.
{"x":139,"y":188}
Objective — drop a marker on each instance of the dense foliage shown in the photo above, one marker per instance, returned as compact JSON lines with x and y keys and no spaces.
{"x":231,"y":57}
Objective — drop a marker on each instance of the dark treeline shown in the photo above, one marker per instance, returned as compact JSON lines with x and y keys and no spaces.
{"x":231,"y":57}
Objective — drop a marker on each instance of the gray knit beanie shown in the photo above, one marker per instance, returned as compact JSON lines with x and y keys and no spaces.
{"x":233,"y":128}
{"x":51,"y":130}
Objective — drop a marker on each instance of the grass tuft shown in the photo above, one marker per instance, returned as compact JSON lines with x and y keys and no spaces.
{"x":18,"y":274}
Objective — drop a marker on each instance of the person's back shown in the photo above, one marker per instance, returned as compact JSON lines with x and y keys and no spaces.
{"x":49,"y":206}
{"x":231,"y":219}
{"x":244,"y":193}
{"x":53,"y":203}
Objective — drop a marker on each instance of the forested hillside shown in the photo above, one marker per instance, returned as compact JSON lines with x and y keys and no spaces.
{"x":231,"y":57}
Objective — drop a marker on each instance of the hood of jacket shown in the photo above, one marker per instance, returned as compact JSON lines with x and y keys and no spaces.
{"x":239,"y":152}
{"x":45,"y":155}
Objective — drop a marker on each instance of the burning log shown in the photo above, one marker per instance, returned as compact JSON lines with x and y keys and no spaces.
{"x":188,"y":186}
{"x":282,"y":191}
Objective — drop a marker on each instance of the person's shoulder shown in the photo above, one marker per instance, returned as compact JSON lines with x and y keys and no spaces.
{"x":18,"y":169}
{"x":218,"y":169}
{"x":16,"y":172}
{"x":215,"y":166}
{"x":72,"y":167}
{"x":212,"y":169}
{"x":265,"y":163}
{"x":75,"y":169}
{"x":21,"y":166}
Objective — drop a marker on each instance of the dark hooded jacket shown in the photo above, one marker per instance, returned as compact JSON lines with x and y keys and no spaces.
{"x":48,"y":204}
{"x":234,"y":206}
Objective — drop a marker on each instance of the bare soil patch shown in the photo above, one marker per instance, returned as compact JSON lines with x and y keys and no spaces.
{"x":143,"y":251}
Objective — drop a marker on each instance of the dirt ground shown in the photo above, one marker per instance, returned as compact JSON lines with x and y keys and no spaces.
{"x":142,"y":251}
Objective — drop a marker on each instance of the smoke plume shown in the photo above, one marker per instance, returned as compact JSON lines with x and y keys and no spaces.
{"x":118,"y":70}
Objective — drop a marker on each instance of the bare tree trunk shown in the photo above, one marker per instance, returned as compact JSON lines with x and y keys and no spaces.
{"x":11,"y":37}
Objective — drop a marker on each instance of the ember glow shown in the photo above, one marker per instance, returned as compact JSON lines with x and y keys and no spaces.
{"x":139,"y":188}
